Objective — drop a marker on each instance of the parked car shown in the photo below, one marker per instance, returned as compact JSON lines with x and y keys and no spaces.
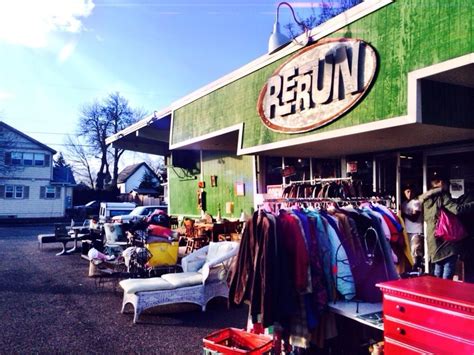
{"x":138,"y":214}
{"x":90,"y":209}
{"x":108,"y":210}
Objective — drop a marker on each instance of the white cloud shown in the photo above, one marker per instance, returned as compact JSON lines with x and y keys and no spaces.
{"x":66,"y":51}
{"x":30,"y":22}
{"x":5,"y":95}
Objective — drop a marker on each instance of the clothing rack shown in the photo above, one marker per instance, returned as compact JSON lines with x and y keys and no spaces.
{"x":314,"y":181}
{"x":324,"y":199}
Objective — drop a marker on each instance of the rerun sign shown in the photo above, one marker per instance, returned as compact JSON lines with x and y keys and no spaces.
{"x":317,"y":85}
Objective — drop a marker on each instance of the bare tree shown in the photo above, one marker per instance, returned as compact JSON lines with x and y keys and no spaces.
{"x":119,"y":115}
{"x":80,"y":160}
{"x":327,"y":10}
{"x":157,"y":165}
{"x":100,"y":120}
{"x":8,"y":142}
{"x":94,"y":127}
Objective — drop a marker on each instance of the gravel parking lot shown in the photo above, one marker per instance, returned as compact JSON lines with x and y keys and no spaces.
{"x":49,"y":305}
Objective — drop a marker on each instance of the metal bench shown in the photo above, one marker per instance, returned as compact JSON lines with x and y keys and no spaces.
{"x":45,"y":238}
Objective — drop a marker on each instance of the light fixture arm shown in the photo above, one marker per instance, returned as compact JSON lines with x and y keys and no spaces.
{"x":302,"y":24}
{"x":277,"y":39}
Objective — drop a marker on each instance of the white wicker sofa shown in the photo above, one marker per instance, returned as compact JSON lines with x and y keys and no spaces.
{"x":203,"y":278}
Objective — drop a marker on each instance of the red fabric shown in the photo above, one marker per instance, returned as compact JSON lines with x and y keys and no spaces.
{"x":294,"y":244}
{"x":159,"y":231}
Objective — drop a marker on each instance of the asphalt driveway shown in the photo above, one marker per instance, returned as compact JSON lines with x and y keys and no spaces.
{"x":49,"y":305}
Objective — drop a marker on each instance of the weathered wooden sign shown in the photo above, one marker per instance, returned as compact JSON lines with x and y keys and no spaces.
{"x":317,"y":85}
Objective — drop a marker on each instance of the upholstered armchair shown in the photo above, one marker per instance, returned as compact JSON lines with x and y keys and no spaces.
{"x":203,"y":278}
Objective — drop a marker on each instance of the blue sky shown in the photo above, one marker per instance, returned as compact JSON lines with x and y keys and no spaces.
{"x":57,"y":55}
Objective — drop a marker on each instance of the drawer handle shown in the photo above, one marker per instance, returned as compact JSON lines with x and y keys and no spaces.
{"x":401,"y":331}
{"x":400,"y":308}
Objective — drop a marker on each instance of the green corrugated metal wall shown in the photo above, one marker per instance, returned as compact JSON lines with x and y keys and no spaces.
{"x":406,"y":34}
{"x":229,"y":170}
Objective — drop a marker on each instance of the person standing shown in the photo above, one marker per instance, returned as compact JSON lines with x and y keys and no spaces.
{"x":442,"y":254}
{"x":413,"y":218}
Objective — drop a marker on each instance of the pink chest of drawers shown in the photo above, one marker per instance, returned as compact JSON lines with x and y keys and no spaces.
{"x":428,"y":315}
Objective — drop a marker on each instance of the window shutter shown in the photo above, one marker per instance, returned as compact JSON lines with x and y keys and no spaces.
{"x":2,"y":191}
{"x":8,"y":158}
{"x":43,"y":192}
{"x":47,"y":158}
{"x":58,"y":192}
{"x":26,"y":192}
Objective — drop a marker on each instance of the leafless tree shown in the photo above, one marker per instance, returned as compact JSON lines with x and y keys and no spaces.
{"x":94,"y":127}
{"x":80,"y":160}
{"x":327,"y":9}
{"x":157,"y":165}
{"x":8,"y":142}
{"x":119,"y":115}
{"x":100,"y":120}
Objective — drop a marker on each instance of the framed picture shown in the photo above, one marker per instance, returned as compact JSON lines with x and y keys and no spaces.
{"x":239,"y":189}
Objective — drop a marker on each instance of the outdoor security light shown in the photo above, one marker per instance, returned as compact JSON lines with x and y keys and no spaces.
{"x":277,"y":39}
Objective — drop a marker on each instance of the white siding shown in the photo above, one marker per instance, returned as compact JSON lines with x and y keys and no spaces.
{"x":34,"y":206}
{"x":134,"y":181}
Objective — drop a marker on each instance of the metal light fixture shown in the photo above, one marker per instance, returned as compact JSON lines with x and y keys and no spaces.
{"x":277,"y":39}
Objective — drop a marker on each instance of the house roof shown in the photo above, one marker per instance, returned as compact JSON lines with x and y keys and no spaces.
{"x":44,"y":146}
{"x":128,"y":171}
{"x":63,"y":175}
{"x":143,"y":191}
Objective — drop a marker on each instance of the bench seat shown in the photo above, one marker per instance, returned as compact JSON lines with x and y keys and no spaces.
{"x":45,"y":238}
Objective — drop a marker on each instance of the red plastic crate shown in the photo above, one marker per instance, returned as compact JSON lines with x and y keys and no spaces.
{"x":237,"y":341}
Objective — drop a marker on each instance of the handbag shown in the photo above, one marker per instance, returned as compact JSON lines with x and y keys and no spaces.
{"x":448,"y":226}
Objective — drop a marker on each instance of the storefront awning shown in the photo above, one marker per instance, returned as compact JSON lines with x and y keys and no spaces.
{"x":150,"y":135}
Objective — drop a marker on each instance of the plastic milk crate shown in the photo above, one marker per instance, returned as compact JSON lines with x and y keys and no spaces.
{"x":236,"y":341}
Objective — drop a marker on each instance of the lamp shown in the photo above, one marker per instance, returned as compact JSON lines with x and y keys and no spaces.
{"x":277,"y":39}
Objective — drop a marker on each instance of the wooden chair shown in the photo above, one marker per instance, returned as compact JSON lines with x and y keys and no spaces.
{"x":174,"y":224}
{"x":230,"y":228}
{"x":195,"y":237}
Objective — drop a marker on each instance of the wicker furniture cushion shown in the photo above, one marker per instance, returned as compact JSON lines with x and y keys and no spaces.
{"x":183,"y":279}
{"x":141,"y":285}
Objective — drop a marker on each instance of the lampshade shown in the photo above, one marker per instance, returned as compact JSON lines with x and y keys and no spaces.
{"x":277,"y":39}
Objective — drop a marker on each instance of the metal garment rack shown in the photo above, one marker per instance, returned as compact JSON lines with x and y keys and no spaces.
{"x":315,"y":181}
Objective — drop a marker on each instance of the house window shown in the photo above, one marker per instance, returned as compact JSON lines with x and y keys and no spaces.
{"x":9,"y":189}
{"x":19,"y":191}
{"x":28,"y":159}
{"x":50,"y":192}
{"x":16,"y":158}
{"x":39,"y":159}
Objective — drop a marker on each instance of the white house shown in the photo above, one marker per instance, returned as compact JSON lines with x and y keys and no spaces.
{"x":30,"y":187}
{"x":130,"y":178}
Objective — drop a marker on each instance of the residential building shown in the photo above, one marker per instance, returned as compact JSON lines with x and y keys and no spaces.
{"x":131,"y":177}
{"x":30,"y":187}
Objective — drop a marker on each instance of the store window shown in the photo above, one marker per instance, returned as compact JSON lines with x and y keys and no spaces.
{"x":28,"y":159}
{"x":360,"y":169}
{"x":296,"y":169}
{"x":272,"y":171}
{"x":458,"y":168}
{"x":326,"y":168}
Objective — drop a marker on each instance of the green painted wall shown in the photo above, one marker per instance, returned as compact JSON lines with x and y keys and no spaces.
{"x":407,"y":35}
{"x":229,"y":169}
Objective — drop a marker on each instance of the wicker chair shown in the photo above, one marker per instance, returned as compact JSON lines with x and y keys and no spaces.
{"x":204,"y":278}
